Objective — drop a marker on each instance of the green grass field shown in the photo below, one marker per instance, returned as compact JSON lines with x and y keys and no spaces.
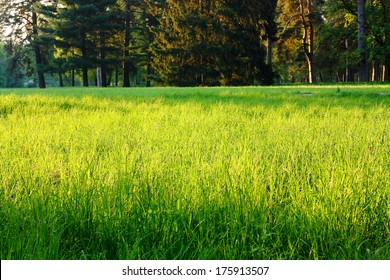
{"x":195,"y":173}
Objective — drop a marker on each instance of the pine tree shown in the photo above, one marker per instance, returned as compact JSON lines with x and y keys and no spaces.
{"x":143,"y":38}
{"x":126,"y":45}
{"x":207,"y":43}
{"x":378,"y":39}
{"x":82,"y":29}
{"x":361,"y":42}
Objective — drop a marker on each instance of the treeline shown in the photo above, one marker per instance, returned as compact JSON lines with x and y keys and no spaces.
{"x":192,"y":42}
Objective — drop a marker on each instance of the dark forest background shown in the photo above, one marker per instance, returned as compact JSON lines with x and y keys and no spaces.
{"x":192,"y":42}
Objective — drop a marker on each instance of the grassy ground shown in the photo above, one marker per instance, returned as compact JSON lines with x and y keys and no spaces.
{"x":197,"y":173}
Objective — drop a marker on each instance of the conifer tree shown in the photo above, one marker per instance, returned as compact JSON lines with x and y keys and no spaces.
{"x":73,"y":27}
{"x":361,"y":41}
{"x":82,"y":28}
{"x":126,"y":45}
{"x":207,"y":43}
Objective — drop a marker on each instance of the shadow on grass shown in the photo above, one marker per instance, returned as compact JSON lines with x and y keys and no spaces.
{"x":300,"y":96}
{"x":280,"y":98}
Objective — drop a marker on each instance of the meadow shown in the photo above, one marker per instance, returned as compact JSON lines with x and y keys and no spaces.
{"x":293,"y":172}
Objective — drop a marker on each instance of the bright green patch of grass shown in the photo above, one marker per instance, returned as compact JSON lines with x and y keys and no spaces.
{"x":196,"y":173}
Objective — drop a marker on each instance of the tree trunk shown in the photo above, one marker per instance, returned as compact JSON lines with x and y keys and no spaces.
{"x":312,"y":68}
{"x":99,"y":70}
{"x":308,"y":38}
{"x":116,"y":75}
{"x":73,"y":84}
{"x":362,"y":65}
{"x":61,"y":79}
{"x":102,"y":60}
{"x":375,"y":72}
{"x":349,"y":75}
{"x":99,"y":76}
{"x":126,"y":53}
{"x":85,"y":76}
{"x":104,"y":69}
{"x":85,"y":59}
{"x":37,"y":50}
{"x":386,"y":73}
{"x":269,"y":50}
{"x":104,"y":76}
{"x":148,"y":73}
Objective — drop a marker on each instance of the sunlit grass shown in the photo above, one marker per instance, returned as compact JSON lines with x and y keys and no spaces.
{"x":199,"y":173}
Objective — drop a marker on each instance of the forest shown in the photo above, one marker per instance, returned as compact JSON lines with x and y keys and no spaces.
{"x":192,"y":42}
